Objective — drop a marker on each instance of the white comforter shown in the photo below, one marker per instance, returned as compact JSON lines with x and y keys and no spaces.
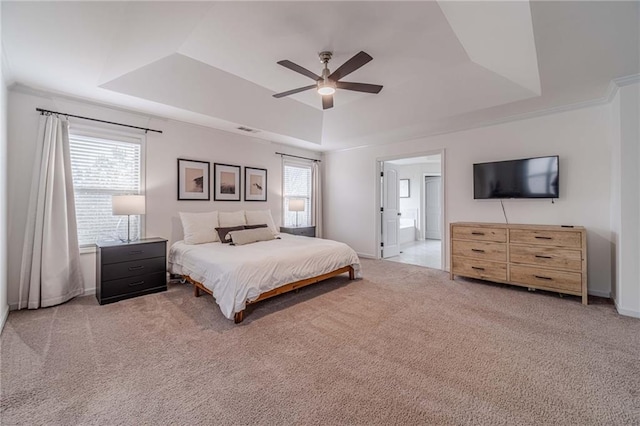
{"x":237,"y":274}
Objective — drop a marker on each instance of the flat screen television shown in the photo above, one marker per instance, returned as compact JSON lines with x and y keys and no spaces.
{"x":526,"y":178}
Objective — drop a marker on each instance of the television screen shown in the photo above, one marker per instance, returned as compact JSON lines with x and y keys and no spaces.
{"x":527,"y":178}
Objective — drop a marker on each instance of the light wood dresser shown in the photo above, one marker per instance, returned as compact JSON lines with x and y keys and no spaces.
{"x":552,"y":258}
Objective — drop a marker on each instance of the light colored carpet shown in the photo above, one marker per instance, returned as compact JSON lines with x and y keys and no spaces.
{"x":403,"y":346}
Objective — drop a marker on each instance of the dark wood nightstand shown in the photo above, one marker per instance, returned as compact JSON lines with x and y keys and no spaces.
{"x":305,"y":231}
{"x":125,"y":270}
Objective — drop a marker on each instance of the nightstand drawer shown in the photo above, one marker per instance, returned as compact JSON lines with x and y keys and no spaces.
{"x":134,"y":268}
{"x":305,"y":231}
{"x":125,"y":253}
{"x":133,"y":284}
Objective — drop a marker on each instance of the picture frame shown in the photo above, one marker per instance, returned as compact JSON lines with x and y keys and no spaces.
{"x":405,"y":188}
{"x":226,"y":182}
{"x":255,"y":184}
{"x":193,"y":180}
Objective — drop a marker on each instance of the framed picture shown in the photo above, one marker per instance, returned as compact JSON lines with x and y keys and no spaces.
{"x":226,"y":182}
{"x":193,"y":180}
{"x":255,"y":184}
{"x":405,"y":188}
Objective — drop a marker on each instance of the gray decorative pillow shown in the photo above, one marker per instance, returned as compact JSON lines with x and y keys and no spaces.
{"x":264,"y":225}
{"x":249,"y":236}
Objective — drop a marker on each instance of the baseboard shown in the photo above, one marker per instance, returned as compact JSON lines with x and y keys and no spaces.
{"x":89,"y":291}
{"x":598,"y":293}
{"x":366,"y":256}
{"x":3,"y":319}
{"x":626,"y":312}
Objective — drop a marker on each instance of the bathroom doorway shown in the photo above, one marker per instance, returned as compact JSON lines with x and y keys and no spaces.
{"x":411,"y":190}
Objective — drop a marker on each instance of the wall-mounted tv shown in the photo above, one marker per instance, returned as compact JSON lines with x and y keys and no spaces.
{"x":526,"y":178}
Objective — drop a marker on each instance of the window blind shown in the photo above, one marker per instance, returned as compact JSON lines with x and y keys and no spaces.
{"x":102,"y":168}
{"x":297,"y":184}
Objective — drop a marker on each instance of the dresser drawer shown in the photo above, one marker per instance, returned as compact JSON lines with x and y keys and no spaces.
{"x":125,"y":253}
{"x":547,"y":279}
{"x":479,"y":268}
{"x":553,"y":257}
{"x":134,"y":268}
{"x":498,"y":235}
{"x":480,"y":250}
{"x":548,"y":238}
{"x":133,"y":284}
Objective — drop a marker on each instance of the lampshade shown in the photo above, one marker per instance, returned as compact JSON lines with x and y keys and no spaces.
{"x":296,"y":205}
{"x":127,"y":204}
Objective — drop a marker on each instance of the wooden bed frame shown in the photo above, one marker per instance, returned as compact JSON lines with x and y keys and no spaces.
{"x":239,"y":316}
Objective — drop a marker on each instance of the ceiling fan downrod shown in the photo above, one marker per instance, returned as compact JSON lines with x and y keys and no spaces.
{"x":325,"y":85}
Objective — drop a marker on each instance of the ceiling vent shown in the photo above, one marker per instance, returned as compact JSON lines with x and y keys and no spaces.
{"x":247,"y":129}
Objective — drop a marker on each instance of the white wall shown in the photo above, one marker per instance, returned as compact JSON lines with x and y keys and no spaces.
{"x":579,"y":137}
{"x":179,"y":140}
{"x":625,"y":206}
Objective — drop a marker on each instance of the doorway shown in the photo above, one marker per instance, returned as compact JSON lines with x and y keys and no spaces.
{"x":411,"y":208}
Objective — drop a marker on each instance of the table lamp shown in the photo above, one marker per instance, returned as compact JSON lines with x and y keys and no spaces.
{"x":296,"y":205}
{"x":128,"y":205}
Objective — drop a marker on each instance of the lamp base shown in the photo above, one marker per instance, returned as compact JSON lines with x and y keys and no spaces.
{"x":125,"y":237}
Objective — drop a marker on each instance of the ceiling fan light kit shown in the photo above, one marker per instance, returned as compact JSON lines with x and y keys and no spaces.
{"x":327,"y":84}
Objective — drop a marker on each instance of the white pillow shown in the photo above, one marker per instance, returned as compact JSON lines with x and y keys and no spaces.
{"x":228,"y":219}
{"x":259,"y":217}
{"x":199,"y":228}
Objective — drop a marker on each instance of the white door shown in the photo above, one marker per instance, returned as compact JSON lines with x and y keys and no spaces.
{"x":390,"y":212}
{"x":432,"y":189}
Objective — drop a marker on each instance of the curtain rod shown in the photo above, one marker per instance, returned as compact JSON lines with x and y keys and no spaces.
{"x":297,"y":156}
{"x":48,"y":112}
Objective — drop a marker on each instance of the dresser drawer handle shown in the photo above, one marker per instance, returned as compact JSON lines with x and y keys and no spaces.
{"x":543,"y":278}
{"x":136,"y":283}
{"x":544,"y":257}
{"x":477,"y":268}
{"x":544,"y":238}
{"x":131,"y":253}
{"x":136,"y":268}
{"x":477,"y":233}
{"x":478,"y":250}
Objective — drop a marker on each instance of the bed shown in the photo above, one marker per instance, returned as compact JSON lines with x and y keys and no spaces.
{"x":240,"y":275}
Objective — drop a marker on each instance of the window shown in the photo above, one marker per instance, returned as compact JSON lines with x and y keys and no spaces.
{"x":296,"y":182}
{"x":102,"y":168}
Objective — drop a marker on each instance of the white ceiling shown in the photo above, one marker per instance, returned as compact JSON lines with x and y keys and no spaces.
{"x":444,"y":65}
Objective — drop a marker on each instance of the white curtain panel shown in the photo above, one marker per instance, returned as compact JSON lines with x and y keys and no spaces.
{"x":50,"y":272}
{"x":316,"y":213}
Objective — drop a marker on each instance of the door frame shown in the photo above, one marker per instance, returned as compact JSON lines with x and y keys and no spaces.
{"x":443,"y":206}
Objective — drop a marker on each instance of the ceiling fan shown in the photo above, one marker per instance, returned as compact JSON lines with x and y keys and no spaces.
{"x":329,"y":82}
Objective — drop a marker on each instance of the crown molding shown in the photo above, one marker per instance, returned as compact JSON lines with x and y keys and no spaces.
{"x":607,"y":98}
{"x":625,"y":81}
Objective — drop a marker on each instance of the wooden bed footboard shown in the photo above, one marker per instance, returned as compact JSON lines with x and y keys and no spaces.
{"x":239,"y":316}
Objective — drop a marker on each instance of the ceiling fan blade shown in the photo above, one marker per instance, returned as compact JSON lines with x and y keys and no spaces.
{"x":350,"y":66}
{"x":291,"y":92}
{"x":359,"y":87}
{"x":297,"y":68}
{"x":327,"y":101}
